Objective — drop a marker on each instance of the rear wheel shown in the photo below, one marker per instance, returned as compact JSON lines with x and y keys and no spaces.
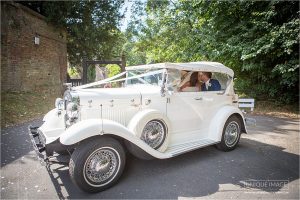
{"x":231,"y":134}
{"x":151,"y":127}
{"x":154,"y":134}
{"x":97,"y":164}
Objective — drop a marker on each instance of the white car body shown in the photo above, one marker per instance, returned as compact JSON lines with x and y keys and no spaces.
{"x":193,"y":119}
{"x":153,"y":115}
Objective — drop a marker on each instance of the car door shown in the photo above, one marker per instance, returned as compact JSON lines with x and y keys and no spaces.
{"x":185,"y":111}
{"x":191,"y":113}
{"x":212,"y":101}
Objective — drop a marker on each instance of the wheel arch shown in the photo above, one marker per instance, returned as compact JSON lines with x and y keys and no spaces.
{"x":94,"y":137}
{"x":240,"y":117}
{"x":139,"y":120}
{"x":127,"y":145}
{"x":220,"y":118}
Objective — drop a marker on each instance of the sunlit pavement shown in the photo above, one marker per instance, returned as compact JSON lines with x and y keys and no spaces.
{"x":265,"y":165}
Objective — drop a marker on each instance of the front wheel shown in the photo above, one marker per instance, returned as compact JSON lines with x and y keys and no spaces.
{"x":97,"y":164}
{"x":231,"y":134}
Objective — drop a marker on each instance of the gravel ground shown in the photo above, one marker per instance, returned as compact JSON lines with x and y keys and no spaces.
{"x":269,"y":152}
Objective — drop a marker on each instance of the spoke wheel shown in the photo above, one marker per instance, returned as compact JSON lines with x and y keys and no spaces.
{"x":97,"y":164}
{"x":154,"y":133}
{"x":101,"y":166}
{"x":231,"y":134}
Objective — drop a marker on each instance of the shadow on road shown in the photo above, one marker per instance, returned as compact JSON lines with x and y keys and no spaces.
{"x":195,"y":174}
{"x":15,"y":142}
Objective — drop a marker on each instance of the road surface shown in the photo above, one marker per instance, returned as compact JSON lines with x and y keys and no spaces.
{"x":269,"y":152}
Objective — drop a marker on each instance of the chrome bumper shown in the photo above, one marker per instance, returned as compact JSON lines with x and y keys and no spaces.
{"x":38,"y":143}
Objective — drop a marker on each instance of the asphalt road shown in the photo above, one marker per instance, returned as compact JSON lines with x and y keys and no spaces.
{"x":269,"y":152}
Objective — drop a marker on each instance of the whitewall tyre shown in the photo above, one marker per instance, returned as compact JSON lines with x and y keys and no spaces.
{"x":97,"y":164}
{"x":231,"y":134}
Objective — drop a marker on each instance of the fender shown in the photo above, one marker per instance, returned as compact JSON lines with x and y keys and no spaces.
{"x":49,"y":114}
{"x":97,"y":127}
{"x":53,"y":125}
{"x":139,"y":120}
{"x":217,"y":123}
{"x":148,"y":112}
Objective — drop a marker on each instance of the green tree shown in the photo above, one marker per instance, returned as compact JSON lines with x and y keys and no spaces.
{"x":258,"y":39}
{"x":135,"y":55}
{"x":92,"y":26}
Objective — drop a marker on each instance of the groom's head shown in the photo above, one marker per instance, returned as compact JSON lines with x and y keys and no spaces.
{"x":205,"y":76}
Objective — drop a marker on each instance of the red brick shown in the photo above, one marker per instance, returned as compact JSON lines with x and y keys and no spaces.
{"x":24,"y":65}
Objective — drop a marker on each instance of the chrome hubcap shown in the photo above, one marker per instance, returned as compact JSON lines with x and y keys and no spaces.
{"x":232,"y":134}
{"x":101,"y":165}
{"x":153,"y":134}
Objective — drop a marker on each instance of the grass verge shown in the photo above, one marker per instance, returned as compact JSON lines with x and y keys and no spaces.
{"x":18,"y":107}
{"x":274,"y":109}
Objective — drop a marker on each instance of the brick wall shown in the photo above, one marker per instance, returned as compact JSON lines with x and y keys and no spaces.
{"x":26,"y":66}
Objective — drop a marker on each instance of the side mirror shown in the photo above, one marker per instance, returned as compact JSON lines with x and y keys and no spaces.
{"x":169,"y":90}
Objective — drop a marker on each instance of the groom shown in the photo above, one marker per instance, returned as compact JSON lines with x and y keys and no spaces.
{"x":209,"y":84}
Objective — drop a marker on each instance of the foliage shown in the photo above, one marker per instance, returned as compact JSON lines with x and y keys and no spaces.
{"x":91,"y":74}
{"x":73,"y":72}
{"x":259,"y":40}
{"x":135,"y":54}
{"x":92,"y":26}
{"x":113,"y":70}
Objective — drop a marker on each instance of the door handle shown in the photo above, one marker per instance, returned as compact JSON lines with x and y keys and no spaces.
{"x":199,"y":98}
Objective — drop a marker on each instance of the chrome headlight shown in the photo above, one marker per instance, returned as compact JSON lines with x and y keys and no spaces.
{"x":59,"y":103}
{"x":71,"y":104}
{"x":67,"y":98}
{"x":72,"y":110}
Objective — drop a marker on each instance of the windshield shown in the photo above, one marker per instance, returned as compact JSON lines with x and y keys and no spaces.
{"x":152,"y":77}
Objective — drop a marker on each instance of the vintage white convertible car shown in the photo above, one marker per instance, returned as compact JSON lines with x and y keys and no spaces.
{"x":146,"y":115}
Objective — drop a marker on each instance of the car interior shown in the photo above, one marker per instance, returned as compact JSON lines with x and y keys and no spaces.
{"x":223,"y":79}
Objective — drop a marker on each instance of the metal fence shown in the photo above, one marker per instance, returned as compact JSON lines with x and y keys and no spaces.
{"x":75,"y":82}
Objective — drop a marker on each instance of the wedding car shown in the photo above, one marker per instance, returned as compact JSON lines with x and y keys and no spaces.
{"x":141,"y":111}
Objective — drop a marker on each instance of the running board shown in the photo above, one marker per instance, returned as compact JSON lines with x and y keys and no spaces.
{"x":189,"y":146}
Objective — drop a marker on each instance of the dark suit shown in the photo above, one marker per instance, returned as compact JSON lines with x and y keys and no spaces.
{"x":214,"y":85}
